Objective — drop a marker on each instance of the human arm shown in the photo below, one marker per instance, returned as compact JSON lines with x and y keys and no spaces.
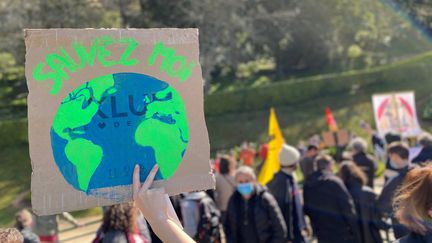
{"x":69,"y":218}
{"x":154,"y":204}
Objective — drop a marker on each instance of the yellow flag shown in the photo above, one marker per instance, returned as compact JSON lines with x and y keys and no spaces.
{"x":271,"y":164}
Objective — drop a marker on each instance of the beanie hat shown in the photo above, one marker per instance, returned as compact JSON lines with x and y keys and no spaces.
{"x":288,"y":155}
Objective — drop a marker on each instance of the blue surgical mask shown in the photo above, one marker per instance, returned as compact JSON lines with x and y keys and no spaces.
{"x":245,"y":189}
{"x":393,"y":164}
{"x":396,"y":166}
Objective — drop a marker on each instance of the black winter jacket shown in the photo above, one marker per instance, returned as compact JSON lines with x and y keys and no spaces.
{"x":367,"y":164}
{"x":424,"y":155}
{"x":281,"y":189}
{"x":331,"y":209}
{"x":269,"y":223}
{"x":415,"y":238}
{"x":385,"y":200}
{"x":368,"y":218}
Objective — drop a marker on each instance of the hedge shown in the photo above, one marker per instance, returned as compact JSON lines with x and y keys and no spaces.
{"x":299,"y":90}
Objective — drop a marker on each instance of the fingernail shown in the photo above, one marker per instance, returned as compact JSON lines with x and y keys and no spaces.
{"x":136,"y":166}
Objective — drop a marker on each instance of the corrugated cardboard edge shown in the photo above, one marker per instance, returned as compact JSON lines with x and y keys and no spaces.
{"x":173,"y":186}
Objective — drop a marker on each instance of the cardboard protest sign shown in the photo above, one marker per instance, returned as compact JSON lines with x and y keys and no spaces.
{"x":101,"y":101}
{"x":343,"y":137}
{"x":396,"y":113}
{"x":339,"y":138}
{"x":329,"y":139}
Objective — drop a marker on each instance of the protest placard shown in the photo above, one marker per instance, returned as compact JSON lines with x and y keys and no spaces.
{"x":339,"y":138}
{"x":396,"y":113}
{"x":103,"y":100}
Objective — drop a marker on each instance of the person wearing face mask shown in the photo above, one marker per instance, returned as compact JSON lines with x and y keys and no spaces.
{"x":398,"y":154}
{"x":413,"y":205}
{"x":253,"y":214}
{"x":284,"y":188}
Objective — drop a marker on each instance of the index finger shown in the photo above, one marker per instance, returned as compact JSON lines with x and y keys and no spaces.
{"x":149,"y":181}
{"x":136,"y":181}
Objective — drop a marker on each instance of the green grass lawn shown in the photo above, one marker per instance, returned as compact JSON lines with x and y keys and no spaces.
{"x":302,"y":120}
{"x":15,"y":178}
{"x":15,"y":175}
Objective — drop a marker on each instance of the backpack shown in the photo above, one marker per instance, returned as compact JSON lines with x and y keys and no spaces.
{"x":209,"y":223}
{"x":201,"y":219}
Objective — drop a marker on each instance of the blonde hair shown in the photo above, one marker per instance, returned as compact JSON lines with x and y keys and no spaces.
{"x":246,"y":170}
{"x":414,"y":199}
{"x":23,"y":219}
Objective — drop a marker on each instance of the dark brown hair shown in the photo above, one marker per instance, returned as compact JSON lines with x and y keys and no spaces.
{"x":400,"y":149}
{"x":120,"y":217}
{"x":227,"y":164}
{"x":414,"y":199}
{"x":349,"y":172}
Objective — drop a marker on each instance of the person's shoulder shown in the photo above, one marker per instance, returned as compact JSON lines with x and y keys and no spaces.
{"x":29,"y":235}
{"x":369,"y":192}
{"x":335,"y":182}
{"x":263,"y":193}
{"x":219,"y":178}
{"x":235,"y":197}
{"x":412,"y":238}
{"x":317,"y":179}
{"x":332,"y":179}
{"x":279,"y":175}
{"x":268,"y":200}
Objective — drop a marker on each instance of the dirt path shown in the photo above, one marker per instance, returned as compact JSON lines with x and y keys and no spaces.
{"x":82,"y":234}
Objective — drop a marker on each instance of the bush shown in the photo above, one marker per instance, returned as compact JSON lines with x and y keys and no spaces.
{"x":13,"y":132}
{"x":427,"y":111}
{"x":380,"y":79}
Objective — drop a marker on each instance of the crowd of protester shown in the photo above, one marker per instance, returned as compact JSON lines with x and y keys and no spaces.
{"x":334,"y":201}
